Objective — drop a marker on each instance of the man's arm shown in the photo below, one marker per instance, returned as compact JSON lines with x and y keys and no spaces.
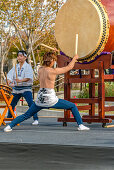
{"x":22,"y":80}
{"x":67,"y":68}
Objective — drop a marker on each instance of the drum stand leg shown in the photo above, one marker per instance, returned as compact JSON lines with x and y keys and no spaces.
{"x":2,"y":121}
{"x":8,"y":106}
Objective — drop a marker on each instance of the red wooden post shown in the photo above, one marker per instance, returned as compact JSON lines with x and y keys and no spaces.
{"x":101,"y":92}
{"x":92,"y":94}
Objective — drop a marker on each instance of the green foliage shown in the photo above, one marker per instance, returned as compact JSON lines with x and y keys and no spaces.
{"x":36,"y":85}
{"x":36,"y":82}
{"x":12,"y":52}
{"x":84,"y":93}
{"x":109,"y":91}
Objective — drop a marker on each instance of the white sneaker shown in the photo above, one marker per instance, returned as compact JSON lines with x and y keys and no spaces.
{"x":82,"y":127}
{"x":7,"y":129}
{"x":7,"y":121}
{"x":35,"y":122}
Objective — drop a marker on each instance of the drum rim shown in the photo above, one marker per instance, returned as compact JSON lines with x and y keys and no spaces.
{"x":106,"y":26}
{"x":6,"y":86}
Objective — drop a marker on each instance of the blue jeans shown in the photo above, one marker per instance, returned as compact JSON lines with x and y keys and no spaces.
{"x":29,"y":99}
{"x":61,"y":104}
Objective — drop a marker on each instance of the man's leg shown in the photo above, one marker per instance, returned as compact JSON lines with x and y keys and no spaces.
{"x":30,"y":112}
{"x":64,"y":104}
{"x":29,"y":99}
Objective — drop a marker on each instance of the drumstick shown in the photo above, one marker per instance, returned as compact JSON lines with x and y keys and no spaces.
{"x":16,"y":72}
{"x":109,"y":126}
{"x":6,"y":78}
{"x":76,"y":45}
{"x":48,"y":47}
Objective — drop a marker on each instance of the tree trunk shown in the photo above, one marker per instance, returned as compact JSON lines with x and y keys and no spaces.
{"x":1,"y":70}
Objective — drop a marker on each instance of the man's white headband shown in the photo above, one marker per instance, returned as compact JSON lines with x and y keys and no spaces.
{"x":22,"y":53}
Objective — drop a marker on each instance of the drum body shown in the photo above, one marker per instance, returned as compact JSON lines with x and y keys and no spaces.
{"x":89,"y":20}
{"x":109,"y":5}
{"x":7,"y":91}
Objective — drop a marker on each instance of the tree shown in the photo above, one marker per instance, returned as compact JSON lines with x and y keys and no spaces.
{"x":5,"y":44}
{"x":31,"y":20}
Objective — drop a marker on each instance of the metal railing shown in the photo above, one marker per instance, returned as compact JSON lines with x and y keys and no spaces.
{"x":57,"y":80}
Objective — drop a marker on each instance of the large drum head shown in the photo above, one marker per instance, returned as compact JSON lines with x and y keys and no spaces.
{"x":88,"y":19}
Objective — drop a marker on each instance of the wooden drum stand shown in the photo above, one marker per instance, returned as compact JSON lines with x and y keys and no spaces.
{"x":6,"y":98}
{"x":101,"y":63}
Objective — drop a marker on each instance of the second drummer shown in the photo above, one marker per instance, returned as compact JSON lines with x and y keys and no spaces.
{"x":20,"y":78}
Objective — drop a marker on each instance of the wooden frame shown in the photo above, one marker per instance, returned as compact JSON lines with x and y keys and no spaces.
{"x":101,"y":63}
{"x":8,"y":99}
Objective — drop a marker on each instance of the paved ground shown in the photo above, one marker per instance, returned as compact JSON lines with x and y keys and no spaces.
{"x":50,"y":146}
{"x":49,"y":131}
{"x":55,"y":157}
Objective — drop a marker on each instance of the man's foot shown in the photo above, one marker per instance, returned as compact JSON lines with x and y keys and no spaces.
{"x":82,"y":127}
{"x":35,"y":122}
{"x":7,"y":129}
